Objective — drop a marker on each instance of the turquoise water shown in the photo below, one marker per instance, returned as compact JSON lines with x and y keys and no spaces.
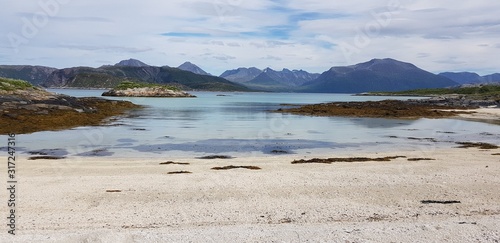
{"x":241,"y":124}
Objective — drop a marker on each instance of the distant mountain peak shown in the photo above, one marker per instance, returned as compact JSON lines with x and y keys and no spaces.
{"x":190,"y":67}
{"x":131,"y":63}
{"x":377,"y":75}
{"x":241,"y":75}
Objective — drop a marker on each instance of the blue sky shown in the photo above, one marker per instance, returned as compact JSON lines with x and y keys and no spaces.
{"x":217,"y":35}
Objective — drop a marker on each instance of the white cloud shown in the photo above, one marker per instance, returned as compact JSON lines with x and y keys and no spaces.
{"x":306,"y":34}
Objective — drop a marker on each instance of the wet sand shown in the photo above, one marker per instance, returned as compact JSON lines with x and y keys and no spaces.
{"x":139,"y":200}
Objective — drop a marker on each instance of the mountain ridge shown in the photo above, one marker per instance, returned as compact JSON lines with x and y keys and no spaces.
{"x":375,"y":75}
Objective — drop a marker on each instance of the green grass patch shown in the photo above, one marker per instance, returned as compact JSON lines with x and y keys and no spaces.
{"x":8,"y":84}
{"x":476,"y":90}
{"x":132,"y":85}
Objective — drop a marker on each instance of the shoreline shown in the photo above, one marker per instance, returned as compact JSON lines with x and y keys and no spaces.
{"x":136,"y":199}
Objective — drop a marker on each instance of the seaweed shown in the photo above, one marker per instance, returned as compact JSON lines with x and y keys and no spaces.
{"x":352,"y":159}
{"x":179,"y":172}
{"x":173,"y":163}
{"x":439,"y":202}
{"x":477,"y":145}
{"x":230,"y":167}
{"x":216,"y":157}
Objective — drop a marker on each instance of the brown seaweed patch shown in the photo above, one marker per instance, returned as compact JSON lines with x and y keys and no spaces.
{"x":477,"y":145}
{"x":439,"y":202}
{"x":350,"y":160}
{"x":179,"y":172}
{"x":230,"y":167}
{"x":216,"y":157}
{"x":173,"y":163}
{"x":48,"y":157}
{"x":423,"y":139}
{"x":113,"y":190}
{"x":419,"y":159}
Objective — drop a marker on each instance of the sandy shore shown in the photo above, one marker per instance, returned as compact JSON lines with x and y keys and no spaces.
{"x":67,"y":200}
{"x":489,"y":115}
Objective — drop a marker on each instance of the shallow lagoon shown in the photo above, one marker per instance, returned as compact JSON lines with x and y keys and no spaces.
{"x":241,"y":124}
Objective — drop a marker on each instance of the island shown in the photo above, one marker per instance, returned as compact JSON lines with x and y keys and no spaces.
{"x":134,"y":89}
{"x":25,"y":108}
{"x":441,"y":103}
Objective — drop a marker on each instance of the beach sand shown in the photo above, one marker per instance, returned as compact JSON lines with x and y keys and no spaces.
{"x":490,"y":115}
{"x":71,"y":200}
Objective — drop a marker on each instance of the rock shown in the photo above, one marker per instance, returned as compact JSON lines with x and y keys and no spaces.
{"x":147,"y":92}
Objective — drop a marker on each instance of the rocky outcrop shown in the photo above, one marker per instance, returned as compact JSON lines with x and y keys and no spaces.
{"x":32,"y":110}
{"x":147,"y":92}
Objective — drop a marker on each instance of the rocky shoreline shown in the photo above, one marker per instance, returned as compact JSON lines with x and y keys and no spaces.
{"x":435,"y":107}
{"x":32,"y":110}
{"x":148,"y":92}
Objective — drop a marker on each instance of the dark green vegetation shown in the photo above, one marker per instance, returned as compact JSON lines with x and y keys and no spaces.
{"x":478,"y":92}
{"x":131,"y":85}
{"x":7,"y":84}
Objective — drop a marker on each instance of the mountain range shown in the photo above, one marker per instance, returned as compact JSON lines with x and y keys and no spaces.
{"x":471,"y":78}
{"x":375,"y":75}
{"x":269,"y":79}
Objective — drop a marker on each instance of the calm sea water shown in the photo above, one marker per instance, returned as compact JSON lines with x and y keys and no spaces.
{"x":241,"y":124}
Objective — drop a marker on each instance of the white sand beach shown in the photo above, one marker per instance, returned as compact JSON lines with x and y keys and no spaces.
{"x":67,"y":200}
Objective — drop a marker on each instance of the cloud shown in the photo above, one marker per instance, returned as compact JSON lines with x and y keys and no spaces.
{"x":435,"y":35}
{"x":274,"y":58}
{"x":185,"y":34}
{"x":106,"y":48}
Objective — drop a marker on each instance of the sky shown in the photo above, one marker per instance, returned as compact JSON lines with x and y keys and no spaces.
{"x":218,"y":35}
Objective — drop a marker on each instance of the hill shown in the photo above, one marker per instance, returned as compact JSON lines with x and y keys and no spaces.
{"x":33,"y":74}
{"x":111,"y":76}
{"x":376,"y":75}
{"x":463,"y":77}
